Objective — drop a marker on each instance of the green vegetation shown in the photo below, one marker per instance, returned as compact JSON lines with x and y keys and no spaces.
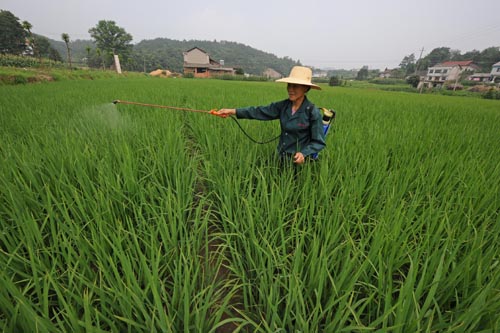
{"x":14,"y":76}
{"x":13,"y":33}
{"x":7,"y":60}
{"x":121,"y":218}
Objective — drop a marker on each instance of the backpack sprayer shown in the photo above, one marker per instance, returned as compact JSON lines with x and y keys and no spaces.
{"x":328,"y":118}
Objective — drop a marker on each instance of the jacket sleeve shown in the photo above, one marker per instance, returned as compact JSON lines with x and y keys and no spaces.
{"x":317,"y":142}
{"x":268,"y":112}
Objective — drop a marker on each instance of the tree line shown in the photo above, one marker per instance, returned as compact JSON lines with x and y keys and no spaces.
{"x":483,"y":59}
{"x":18,"y":39}
{"x":108,"y":39}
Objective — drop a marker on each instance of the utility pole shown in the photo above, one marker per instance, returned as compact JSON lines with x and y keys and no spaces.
{"x":418,"y":61}
{"x":458,"y":76}
{"x":416,"y":68}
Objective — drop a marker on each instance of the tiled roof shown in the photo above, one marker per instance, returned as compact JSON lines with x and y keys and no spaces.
{"x":455,"y":63}
{"x":194,"y":48}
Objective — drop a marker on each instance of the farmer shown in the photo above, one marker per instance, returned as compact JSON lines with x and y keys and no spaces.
{"x":301,"y":126}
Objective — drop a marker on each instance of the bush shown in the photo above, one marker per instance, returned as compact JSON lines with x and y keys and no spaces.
{"x":335,"y":81}
{"x":320,"y":80}
{"x":492,"y":94}
{"x":469,"y":83}
{"x":12,"y":79}
{"x":479,"y":88}
{"x":413,"y":80}
{"x":453,"y":86}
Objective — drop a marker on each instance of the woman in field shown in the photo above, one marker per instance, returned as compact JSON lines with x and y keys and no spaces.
{"x":301,"y":125}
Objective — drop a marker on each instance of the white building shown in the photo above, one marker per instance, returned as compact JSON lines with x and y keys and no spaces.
{"x":448,"y":71}
{"x":495,"y":72}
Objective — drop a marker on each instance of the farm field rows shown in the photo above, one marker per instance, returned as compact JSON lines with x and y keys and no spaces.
{"x":132,"y":219}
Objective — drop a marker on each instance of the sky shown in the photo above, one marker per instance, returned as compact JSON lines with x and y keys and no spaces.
{"x":339,"y":34}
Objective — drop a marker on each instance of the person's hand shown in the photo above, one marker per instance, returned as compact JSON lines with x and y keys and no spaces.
{"x":298,"y":158}
{"x":224,"y":113}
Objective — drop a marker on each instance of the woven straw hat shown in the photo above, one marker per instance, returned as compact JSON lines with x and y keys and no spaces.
{"x":300,"y":75}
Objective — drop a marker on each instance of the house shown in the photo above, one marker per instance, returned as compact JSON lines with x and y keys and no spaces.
{"x":387,"y":73}
{"x":271,"y":74}
{"x":318,"y":73}
{"x":446,"y":71}
{"x":495,"y":72}
{"x":480,"y":77}
{"x":198,"y":63}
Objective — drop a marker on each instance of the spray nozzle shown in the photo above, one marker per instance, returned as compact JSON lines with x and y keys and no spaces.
{"x":116,"y":101}
{"x":215,"y":113}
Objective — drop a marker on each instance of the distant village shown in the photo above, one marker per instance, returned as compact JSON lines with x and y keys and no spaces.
{"x":452,"y":71}
{"x":197,"y":63}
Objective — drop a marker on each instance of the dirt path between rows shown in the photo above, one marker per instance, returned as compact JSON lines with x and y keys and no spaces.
{"x":212,"y":253}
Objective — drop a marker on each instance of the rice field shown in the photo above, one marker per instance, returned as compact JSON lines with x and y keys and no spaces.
{"x":119,"y":218}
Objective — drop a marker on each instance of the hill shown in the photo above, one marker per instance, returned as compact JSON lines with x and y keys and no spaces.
{"x":166,"y":53}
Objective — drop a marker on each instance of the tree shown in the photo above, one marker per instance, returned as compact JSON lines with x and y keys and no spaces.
{"x":413,"y":80}
{"x":407,"y":60}
{"x":362,"y":74}
{"x":100,"y":58}
{"x":12,"y":36}
{"x":27,"y":27}
{"x":438,"y":55}
{"x":44,"y":49}
{"x":475,"y":56}
{"x":65,"y":38}
{"x":54,"y":54}
{"x":111,"y":39}
{"x":489,"y":56}
{"x":88,"y":49}
{"x":408,"y":65}
{"x":455,"y":55}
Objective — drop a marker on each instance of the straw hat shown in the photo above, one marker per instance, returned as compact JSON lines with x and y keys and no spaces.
{"x":300,"y":75}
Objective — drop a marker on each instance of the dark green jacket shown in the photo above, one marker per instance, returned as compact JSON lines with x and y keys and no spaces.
{"x":301,"y":132}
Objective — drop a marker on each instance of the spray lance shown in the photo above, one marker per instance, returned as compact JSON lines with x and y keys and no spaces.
{"x":212,"y":112}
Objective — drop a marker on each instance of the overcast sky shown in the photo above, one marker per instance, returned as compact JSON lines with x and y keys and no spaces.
{"x":321,"y":33}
